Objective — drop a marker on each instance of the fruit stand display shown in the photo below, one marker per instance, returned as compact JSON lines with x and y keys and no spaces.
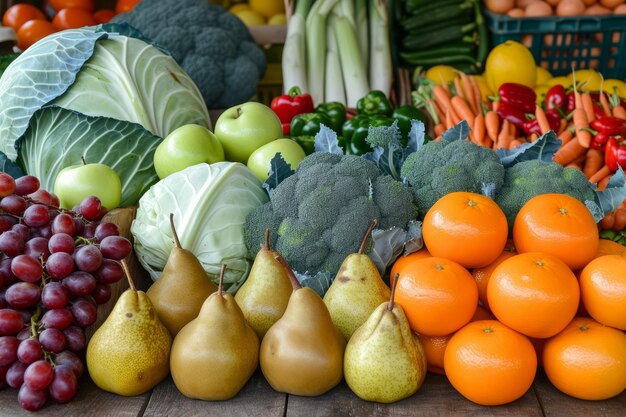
{"x":330,"y":207}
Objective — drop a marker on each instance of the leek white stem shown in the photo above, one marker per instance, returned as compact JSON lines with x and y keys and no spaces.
{"x":316,"y":47}
{"x":354,"y":72}
{"x":294,"y":51}
{"x":360,"y":18}
{"x":334,"y":89}
{"x":380,"y":68}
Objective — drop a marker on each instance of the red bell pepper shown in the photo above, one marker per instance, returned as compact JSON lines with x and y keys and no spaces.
{"x":556,"y":98}
{"x":571,"y":102}
{"x":517,"y":96}
{"x":599,"y":141}
{"x":615,"y":154}
{"x":611,"y":126}
{"x":532,"y":126}
{"x":513,"y":115}
{"x":289,"y":105}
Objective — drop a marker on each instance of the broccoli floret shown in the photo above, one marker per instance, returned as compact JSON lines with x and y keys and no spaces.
{"x":212,"y":45}
{"x":319,"y":214}
{"x":440,"y":168}
{"x":528,"y":179}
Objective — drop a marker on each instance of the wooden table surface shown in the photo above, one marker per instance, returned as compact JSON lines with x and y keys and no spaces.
{"x":436,"y":398}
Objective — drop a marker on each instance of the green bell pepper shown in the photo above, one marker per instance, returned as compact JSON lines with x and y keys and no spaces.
{"x":308,"y":124}
{"x":404,"y":115}
{"x":374,"y":102}
{"x":356,"y":129}
{"x":336,"y":112}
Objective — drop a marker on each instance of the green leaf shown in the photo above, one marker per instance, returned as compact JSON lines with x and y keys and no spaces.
{"x":10,"y":167}
{"x":416,"y":139}
{"x":57,"y":138}
{"x":320,"y":282}
{"x":543,"y":148}
{"x":326,"y":141}
{"x":279,"y":171}
{"x":388,"y":245}
{"x":459,"y":132}
{"x":614,"y":194}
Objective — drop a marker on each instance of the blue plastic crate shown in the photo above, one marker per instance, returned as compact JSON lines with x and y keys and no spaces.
{"x":562,"y":43}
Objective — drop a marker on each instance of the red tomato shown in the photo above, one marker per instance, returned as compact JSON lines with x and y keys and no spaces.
{"x":103,"y":16}
{"x":20,"y":13}
{"x":32,"y":31}
{"x":80,"y":4}
{"x":72,"y":18}
{"x":125,"y":5}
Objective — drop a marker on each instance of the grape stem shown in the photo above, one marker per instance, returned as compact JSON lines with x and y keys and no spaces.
{"x":33,"y":321}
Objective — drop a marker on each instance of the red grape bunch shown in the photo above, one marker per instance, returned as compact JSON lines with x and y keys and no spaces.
{"x":56,"y":267}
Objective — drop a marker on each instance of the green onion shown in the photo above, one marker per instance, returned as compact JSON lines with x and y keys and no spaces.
{"x":380,"y":68}
{"x":334,"y":89}
{"x":316,"y":47}
{"x":360,"y":19}
{"x":294,"y":51}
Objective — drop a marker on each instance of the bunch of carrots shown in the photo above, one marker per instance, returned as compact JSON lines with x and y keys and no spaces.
{"x":491,"y":127}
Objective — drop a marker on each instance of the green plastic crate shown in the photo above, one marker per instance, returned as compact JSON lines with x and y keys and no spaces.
{"x":560,"y":43}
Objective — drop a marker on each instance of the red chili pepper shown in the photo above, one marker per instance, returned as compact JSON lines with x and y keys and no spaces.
{"x":513,"y":115}
{"x":599,"y":141}
{"x":517,"y":96}
{"x":556,"y":98}
{"x":287,"y":106}
{"x":612,"y":126}
{"x":571,"y":102}
{"x":615,"y":154}
{"x":532,"y":126}
{"x":286,"y":128}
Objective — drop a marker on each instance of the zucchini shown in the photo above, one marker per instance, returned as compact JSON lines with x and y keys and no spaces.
{"x":449,"y":34}
{"x":425,"y":10}
{"x":455,"y":48}
{"x":440,"y":15}
{"x":437,"y":26}
{"x":483,"y":38}
{"x":450,"y":59}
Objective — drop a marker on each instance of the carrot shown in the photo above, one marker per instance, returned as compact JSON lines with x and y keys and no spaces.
{"x":440,"y":114}
{"x":580,"y":160}
{"x":588,"y":107}
{"x":459,"y":104}
{"x":562,"y":126}
{"x":580,"y":124}
{"x":578,"y":101}
{"x":593,"y":162}
{"x":492,"y":125}
{"x":469,"y":92}
{"x":568,"y":152}
{"x":604,"y":182}
{"x":515,"y":143}
{"x":477,"y":94}
{"x":504,"y":137}
{"x":512,"y":130}
{"x":449,"y":121}
{"x":565,"y":136}
{"x":619,"y":112}
{"x":457,"y":87}
{"x":443,"y":99}
{"x":439,"y":129}
{"x":445,"y":85}
{"x":604,"y":102}
{"x":600,"y":174}
{"x":479,"y":129}
{"x":495,"y":105}
{"x":573,"y":165}
{"x":542,"y":119}
{"x":533,"y":137}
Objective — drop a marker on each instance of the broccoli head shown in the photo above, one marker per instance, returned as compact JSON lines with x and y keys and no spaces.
{"x":319,"y":215}
{"x":528,"y":179}
{"x":440,"y":168}
{"x":211,"y":44}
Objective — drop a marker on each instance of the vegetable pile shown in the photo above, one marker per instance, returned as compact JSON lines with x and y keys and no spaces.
{"x":541,"y":8}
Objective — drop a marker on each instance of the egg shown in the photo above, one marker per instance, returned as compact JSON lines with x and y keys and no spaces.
{"x":499,"y":6}
{"x":538,"y":9}
{"x":570,"y":8}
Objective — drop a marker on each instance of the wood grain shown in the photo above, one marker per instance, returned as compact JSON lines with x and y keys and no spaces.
{"x":557,"y":404}
{"x":90,"y":401}
{"x":436,"y":398}
{"x":257,"y":399}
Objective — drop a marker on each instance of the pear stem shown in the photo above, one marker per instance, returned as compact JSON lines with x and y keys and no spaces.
{"x":367,"y":235}
{"x":393,"y":291}
{"x":174,"y":231}
{"x":131,"y":284}
{"x":292,"y":277}
{"x":220,"y":288}
{"x":267,"y":240}
{"x":82,"y":158}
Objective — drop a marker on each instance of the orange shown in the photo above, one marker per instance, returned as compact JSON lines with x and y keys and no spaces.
{"x":32,"y":31}
{"x":534,"y":293}
{"x":438,"y":296}
{"x":57,"y":5}
{"x":406,"y":260}
{"x":489,"y":363}
{"x":559,"y":225}
{"x":587,"y":360}
{"x":73,"y":18}
{"x":608,"y":247}
{"x":20,"y":13}
{"x":467,"y":228}
{"x":482,"y":275}
{"x":603,"y":290}
{"x":482,"y":313}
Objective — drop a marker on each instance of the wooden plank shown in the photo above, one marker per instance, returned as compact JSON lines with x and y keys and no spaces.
{"x":436,"y":398}
{"x":90,"y":401}
{"x":557,"y":404}
{"x":257,"y":399}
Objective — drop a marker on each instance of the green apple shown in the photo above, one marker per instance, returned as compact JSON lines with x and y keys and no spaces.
{"x":76,"y":182}
{"x":259,"y":161}
{"x":186,"y":146}
{"x":244,"y":128}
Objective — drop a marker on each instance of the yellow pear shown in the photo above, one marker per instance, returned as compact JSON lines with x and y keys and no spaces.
{"x":356,"y":290}
{"x":264,"y":296}
{"x":129,"y":354}
{"x":302,"y":353}
{"x":181,"y":289}
{"x":384,"y":360}
{"x":216,"y":353}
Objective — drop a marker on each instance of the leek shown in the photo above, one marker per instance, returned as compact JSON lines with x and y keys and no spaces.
{"x":354,"y":72}
{"x":294,"y":51}
{"x":334,"y":89}
{"x":316,"y":47}
{"x":360,"y":18}
{"x":380,"y":68}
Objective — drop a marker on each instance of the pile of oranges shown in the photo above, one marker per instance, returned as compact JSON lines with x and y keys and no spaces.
{"x":32,"y":24}
{"x":489,"y":311}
